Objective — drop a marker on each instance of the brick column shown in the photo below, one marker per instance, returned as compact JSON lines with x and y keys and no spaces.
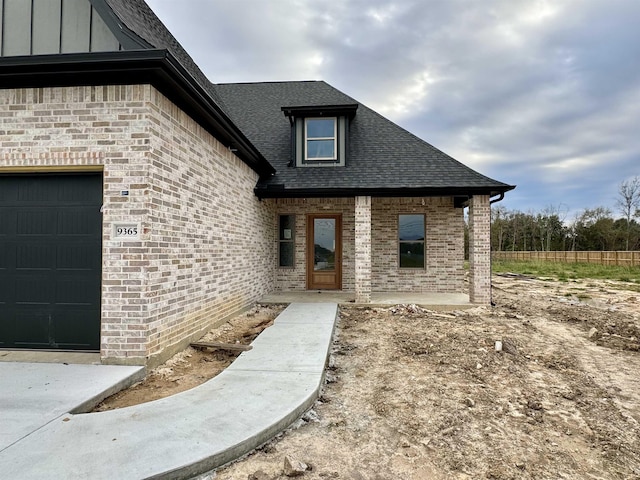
{"x":480,"y":250}
{"x":363,"y":249}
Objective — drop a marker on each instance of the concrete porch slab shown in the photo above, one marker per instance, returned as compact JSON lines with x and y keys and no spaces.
{"x":432,"y":301}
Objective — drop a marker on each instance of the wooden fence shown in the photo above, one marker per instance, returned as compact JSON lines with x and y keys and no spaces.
{"x":627,"y":259}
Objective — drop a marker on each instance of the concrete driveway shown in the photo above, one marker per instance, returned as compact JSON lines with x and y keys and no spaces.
{"x":34,"y":394}
{"x":260,"y":394}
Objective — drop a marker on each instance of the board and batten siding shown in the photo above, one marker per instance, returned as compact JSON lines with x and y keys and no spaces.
{"x":41,"y":27}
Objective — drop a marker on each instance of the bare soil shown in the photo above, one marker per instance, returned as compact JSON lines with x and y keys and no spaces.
{"x":419,"y":394}
{"x":192,"y":366}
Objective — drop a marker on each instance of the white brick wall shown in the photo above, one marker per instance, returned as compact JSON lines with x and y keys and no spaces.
{"x":294,"y":279}
{"x":444,"y":256}
{"x":363,"y":249}
{"x":207,"y":246}
{"x":444,"y":270}
{"x":480,"y":250}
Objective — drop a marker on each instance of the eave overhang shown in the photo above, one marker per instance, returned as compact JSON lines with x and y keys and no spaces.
{"x":154,"y":67}
{"x":348,"y":110}
{"x":460,"y":194}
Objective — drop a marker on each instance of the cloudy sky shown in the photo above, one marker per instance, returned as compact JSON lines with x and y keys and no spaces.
{"x":541,"y":94}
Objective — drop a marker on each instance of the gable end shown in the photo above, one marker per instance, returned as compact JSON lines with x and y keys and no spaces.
{"x":50,"y":27}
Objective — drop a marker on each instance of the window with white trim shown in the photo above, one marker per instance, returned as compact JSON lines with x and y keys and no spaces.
{"x":320,"y":138}
{"x":320,"y":134}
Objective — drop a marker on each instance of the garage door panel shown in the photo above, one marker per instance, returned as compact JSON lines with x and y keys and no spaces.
{"x":34,"y":290}
{"x":50,"y":261}
{"x":32,"y":326}
{"x":38,"y":189}
{"x":35,"y":256}
{"x":7,"y":261}
{"x":7,"y":288}
{"x":7,"y":221}
{"x":70,"y":192}
{"x":5,"y":331}
{"x":36,"y":222}
{"x":78,"y":221}
{"x":77,"y":257}
{"x":74,"y":331}
{"x":8,"y":190}
{"x":77,"y":291}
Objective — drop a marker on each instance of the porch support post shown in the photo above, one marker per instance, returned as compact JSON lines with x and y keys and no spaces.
{"x":363,"y":249}
{"x":480,"y":250}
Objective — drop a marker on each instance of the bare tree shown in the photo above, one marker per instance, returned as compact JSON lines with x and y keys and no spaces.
{"x":550,"y":223}
{"x":628,"y":201}
{"x":498,"y":215}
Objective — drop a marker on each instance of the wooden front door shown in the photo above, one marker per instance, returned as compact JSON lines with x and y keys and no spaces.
{"x":324,"y":252}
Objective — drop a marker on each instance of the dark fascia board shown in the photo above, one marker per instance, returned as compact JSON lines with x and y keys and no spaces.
{"x":321,"y":110}
{"x":155,"y":67}
{"x":461,"y":194}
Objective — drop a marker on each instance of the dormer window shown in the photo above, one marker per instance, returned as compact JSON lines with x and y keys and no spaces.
{"x":319,"y":134}
{"x":320,"y":138}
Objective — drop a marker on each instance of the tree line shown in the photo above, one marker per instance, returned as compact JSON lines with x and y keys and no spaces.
{"x":592,"y":229}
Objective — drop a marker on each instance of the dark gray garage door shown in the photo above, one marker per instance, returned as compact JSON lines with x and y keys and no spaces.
{"x":50,"y":261}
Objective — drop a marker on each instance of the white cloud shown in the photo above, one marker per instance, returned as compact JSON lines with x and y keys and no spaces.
{"x":531,"y":92}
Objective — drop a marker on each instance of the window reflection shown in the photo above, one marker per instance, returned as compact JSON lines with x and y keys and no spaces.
{"x":411,"y":241}
{"x":286,"y":240}
{"x":324,"y":240}
{"x":320,"y":138}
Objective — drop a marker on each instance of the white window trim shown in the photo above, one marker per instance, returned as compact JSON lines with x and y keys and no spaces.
{"x":334,"y":139}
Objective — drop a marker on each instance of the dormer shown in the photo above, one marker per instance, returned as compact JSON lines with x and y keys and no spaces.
{"x":319,"y":134}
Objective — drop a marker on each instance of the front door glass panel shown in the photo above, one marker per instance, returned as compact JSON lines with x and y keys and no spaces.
{"x":324,"y":242}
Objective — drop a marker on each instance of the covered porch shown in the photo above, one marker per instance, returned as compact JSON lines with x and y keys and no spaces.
{"x":364,"y":261}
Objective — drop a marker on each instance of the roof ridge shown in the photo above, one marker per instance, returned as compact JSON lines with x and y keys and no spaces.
{"x":140,"y":19}
{"x":268,"y":82}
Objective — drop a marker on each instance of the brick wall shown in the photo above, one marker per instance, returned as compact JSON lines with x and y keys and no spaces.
{"x":207,"y":246}
{"x":213,"y":237}
{"x":444,"y":270}
{"x":363,"y":249}
{"x":294,"y":279}
{"x":444,"y":240}
{"x":480,"y":250}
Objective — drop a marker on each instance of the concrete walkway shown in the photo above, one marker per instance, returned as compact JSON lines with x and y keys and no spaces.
{"x":260,"y":394}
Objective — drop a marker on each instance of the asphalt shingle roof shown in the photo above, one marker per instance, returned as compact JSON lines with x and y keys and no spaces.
{"x":138,"y":17}
{"x":381,"y":155}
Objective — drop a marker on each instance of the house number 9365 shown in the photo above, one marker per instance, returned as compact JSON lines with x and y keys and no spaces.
{"x":126,"y":231}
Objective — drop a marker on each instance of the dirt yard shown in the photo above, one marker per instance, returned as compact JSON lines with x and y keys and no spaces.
{"x":416,"y":394}
{"x":191,"y":367}
{"x":419,"y":394}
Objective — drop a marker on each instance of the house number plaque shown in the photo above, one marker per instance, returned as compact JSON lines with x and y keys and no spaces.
{"x":126,"y":231}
